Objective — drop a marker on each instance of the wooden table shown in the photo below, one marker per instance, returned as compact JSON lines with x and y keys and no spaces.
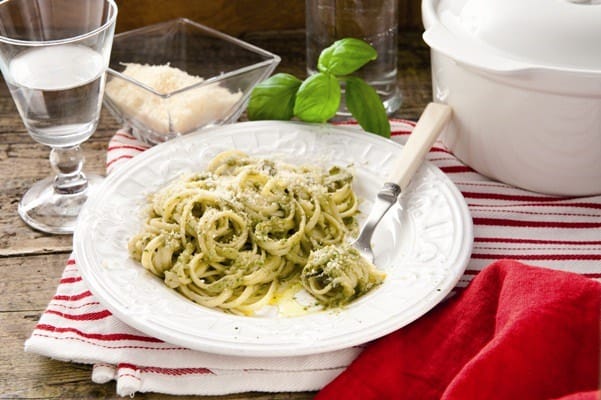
{"x":31,"y":262}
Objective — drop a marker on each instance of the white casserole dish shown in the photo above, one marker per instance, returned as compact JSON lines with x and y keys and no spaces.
{"x":524,"y":80}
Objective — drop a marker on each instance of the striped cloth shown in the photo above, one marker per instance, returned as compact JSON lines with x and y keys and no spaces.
{"x":509,"y":223}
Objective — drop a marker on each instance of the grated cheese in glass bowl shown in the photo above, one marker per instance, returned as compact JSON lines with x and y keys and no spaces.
{"x":176,"y":77}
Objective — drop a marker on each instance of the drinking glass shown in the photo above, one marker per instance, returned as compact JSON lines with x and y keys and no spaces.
{"x":376,"y":22}
{"x":53,"y":56}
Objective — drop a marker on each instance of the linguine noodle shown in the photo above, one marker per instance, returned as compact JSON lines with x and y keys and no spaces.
{"x":234,"y":236}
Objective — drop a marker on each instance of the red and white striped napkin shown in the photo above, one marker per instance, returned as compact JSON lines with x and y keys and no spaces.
{"x":509,"y":223}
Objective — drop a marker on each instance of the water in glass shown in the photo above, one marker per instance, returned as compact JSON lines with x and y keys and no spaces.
{"x":57,"y":91}
{"x":376,"y":22}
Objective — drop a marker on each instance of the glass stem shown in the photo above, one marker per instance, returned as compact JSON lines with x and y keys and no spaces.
{"x":67,"y":163}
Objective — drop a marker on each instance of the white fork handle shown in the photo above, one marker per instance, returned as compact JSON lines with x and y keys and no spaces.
{"x":423,"y":136}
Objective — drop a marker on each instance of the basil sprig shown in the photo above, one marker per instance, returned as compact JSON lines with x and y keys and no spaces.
{"x":317,"y":98}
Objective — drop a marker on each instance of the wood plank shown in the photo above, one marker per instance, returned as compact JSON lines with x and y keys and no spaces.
{"x":410,"y":15}
{"x":230,"y":16}
{"x":21,"y":165}
{"x":237,"y":17}
{"x":29,"y":283}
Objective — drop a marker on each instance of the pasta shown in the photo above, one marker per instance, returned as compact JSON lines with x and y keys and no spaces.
{"x":235,"y":235}
{"x":337,"y":274}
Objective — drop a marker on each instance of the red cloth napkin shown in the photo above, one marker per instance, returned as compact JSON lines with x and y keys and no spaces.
{"x":516,"y":332}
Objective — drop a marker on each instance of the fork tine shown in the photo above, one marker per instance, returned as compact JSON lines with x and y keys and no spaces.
{"x":385,"y":198}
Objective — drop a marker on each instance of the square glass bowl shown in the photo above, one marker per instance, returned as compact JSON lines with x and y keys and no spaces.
{"x":229,"y":69}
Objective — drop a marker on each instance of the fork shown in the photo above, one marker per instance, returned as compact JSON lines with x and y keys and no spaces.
{"x":429,"y":125}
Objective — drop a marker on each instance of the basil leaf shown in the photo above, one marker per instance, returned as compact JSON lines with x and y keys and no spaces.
{"x":318,"y":98}
{"x":366,"y":106}
{"x":273,"y":98}
{"x":345,"y":56}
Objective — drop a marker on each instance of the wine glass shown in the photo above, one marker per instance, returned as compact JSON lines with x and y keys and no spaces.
{"x":53,"y":56}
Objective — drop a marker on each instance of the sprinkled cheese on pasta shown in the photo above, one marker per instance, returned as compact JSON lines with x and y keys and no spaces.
{"x":238,"y":235}
{"x":338,"y":274}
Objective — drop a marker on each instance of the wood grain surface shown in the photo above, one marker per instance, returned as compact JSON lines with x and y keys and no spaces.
{"x":31,"y":262}
{"x":237,"y":17}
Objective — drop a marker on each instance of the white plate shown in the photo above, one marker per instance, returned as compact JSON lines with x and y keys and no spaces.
{"x":423,"y":244}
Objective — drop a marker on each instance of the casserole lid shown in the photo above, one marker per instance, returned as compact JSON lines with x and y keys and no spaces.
{"x":557,"y":34}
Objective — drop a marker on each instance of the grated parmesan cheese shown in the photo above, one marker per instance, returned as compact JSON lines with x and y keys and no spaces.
{"x":180,"y":113}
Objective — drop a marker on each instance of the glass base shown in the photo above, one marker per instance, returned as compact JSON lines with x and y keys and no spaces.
{"x":392,"y":102}
{"x":45,"y":210}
